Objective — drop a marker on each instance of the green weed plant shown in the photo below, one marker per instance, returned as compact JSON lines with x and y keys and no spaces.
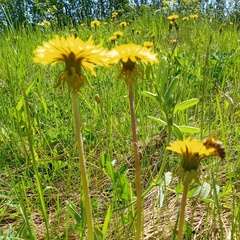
{"x":192,"y":92}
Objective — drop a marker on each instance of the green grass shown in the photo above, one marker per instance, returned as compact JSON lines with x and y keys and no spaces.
{"x":46,"y":134}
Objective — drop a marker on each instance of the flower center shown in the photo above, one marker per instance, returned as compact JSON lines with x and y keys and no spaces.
{"x":72,"y":62}
{"x":129,"y":65}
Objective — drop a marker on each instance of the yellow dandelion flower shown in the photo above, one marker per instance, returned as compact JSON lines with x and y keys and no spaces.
{"x":73,"y":30}
{"x":231,"y":23}
{"x":39,"y":24}
{"x":123,"y":24}
{"x":112,"y":39}
{"x":105,"y":23}
{"x":173,"y":41}
{"x":83,"y":24}
{"x":47,"y":23}
{"x":148,"y":44}
{"x":173,"y":17}
{"x":138,"y":32}
{"x":118,"y":34}
{"x":194,"y":16}
{"x":185,"y":18}
{"x":114,"y":15}
{"x":76,"y":54}
{"x":129,"y":55}
{"x":95,"y":23}
{"x":192,"y":152}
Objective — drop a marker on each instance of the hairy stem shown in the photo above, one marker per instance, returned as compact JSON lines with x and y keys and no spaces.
{"x":82,"y":165}
{"x":137,"y":165}
{"x":182,"y":213}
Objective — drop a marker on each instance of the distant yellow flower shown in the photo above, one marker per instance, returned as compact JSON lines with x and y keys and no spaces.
{"x":73,"y":30}
{"x":173,"y":41}
{"x":46,"y":22}
{"x":112,"y":39}
{"x":83,"y":24}
{"x":185,"y":18}
{"x":95,"y":23}
{"x":114,"y":15}
{"x":138,"y":32}
{"x":123,"y":24}
{"x":129,"y":55}
{"x":192,"y":152}
{"x":152,"y":36}
{"x":194,"y":16}
{"x":148,"y":44}
{"x":17,"y":37}
{"x":173,"y":17}
{"x":105,"y":23}
{"x":231,"y":23}
{"x":76,"y":54}
{"x":39,"y":24}
{"x":118,"y":34}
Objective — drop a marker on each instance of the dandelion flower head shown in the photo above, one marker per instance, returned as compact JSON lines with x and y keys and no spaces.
{"x":95,"y":23}
{"x":173,"y":17}
{"x":47,"y":23}
{"x":194,"y":16}
{"x":75,"y":53}
{"x":192,"y":152}
{"x":123,"y":24}
{"x":118,"y":34}
{"x":129,"y":55}
{"x":148,"y":44}
{"x":114,"y":15}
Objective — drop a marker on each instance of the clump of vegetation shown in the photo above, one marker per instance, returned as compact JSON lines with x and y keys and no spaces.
{"x":109,"y":174}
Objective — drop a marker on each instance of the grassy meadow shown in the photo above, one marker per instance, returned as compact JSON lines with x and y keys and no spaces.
{"x":41,"y":192}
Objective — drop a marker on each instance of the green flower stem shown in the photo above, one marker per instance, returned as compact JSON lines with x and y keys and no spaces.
{"x":137,"y":165}
{"x":82,"y":164}
{"x":183,"y":207}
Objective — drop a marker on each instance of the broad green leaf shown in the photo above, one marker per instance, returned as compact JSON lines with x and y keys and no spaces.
{"x":207,"y":200}
{"x":205,"y":190}
{"x":177,"y":132}
{"x":179,"y":188}
{"x":161,"y":196}
{"x":121,"y":171}
{"x":188,"y":129}
{"x":106,"y":221}
{"x":158,"y":120}
{"x":172,"y":87}
{"x":151,"y":95}
{"x":217,"y":189}
{"x":73,"y":211}
{"x":167,"y":178}
{"x":186,"y":104}
{"x":110,"y":170}
{"x":194,"y":191}
{"x":102,"y":160}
